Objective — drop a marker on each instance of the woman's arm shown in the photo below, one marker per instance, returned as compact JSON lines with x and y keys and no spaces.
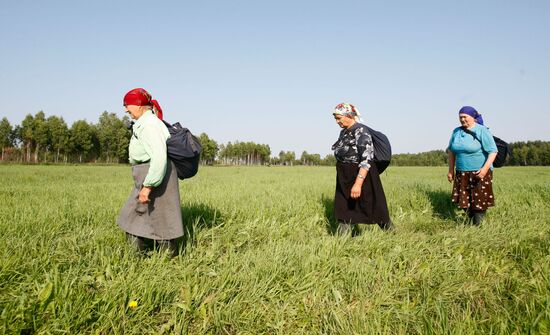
{"x":356,"y":189}
{"x":365,"y":149}
{"x":483,"y":171}
{"x":451,"y":159}
{"x":155,"y":146}
{"x":488,"y":145}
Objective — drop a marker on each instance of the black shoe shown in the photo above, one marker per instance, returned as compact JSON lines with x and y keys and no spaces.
{"x":388,"y":226}
{"x":344,"y":229}
{"x":136,"y":242}
{"x":478,"y":218}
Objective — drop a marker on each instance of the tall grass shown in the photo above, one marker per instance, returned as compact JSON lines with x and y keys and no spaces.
{"x":260,"y":256}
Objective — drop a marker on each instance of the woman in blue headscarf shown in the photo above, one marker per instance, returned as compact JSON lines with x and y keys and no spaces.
{"x":471,"y":152}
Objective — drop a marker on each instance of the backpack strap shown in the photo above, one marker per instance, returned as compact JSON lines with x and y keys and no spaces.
{"x":471,"y":133}
{"x":474,"y":136}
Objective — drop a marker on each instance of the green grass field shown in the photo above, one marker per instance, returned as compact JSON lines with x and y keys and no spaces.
{"x":260,"y":256}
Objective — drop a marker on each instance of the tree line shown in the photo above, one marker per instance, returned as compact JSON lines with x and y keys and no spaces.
{"x":250,"y":153}
{"x":530,"y":153}
{"x":41,"y":139}
{"x":429,"y":158}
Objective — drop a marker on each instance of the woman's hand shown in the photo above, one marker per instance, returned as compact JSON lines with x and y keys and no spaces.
{"x":144,"y":194}
{"x":451,"y":176}
{"x":356,"y":191}
{"x":481,"y":172}
{"x":485,"y":168}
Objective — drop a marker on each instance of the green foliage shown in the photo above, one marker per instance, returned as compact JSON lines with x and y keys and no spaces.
{"x":5,"y":133}
{"x":530,"y":153}
{"x":38,"y":139}
{"x":429,"y":158}
{"x":310,"y":159}
{"x":113,"y":137}
{"x":260,"y":257}
{"x":329,"y":160}
{"x":59,"y":136}
{"x":81,"y":138}
{"x":244,"y":153}
{"x":27,"y":135}
{"x":6,"y":139}
{"x":286,"y":158}
{"x":41,"y":134}
{"x":209,"y":149}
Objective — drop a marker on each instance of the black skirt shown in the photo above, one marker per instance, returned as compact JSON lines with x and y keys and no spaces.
{"x":370,"y":207}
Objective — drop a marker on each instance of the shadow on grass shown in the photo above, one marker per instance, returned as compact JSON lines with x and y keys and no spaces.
{"x":196,"y":217}
{"x":441,"y":203}
{"x":328,"y":205}
{"x":332,"y":224}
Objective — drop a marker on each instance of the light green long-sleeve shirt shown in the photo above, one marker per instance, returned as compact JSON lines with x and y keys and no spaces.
{"x":148,"y":143}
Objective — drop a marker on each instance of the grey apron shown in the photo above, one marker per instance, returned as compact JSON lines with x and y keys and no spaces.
{"x":160,"y":219}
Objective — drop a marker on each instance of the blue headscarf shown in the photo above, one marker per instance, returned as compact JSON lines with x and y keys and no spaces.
{"x":472,"y":112}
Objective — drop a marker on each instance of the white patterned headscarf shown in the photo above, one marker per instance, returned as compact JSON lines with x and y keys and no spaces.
{"x":348,"y":110}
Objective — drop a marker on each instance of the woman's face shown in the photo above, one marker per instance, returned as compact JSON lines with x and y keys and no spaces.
{"x":466,"y":120}
{"x":344,"y":121}
{"x":135,"y":111}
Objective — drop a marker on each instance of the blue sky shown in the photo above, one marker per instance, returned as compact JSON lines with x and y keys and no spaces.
{"x":271,"y":71}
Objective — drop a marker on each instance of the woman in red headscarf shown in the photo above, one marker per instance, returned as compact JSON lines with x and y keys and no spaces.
{"x":152,"y":214}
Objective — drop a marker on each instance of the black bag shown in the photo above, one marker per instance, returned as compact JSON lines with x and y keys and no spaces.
{"x":382,"y":149}
{"x":504,"y":151}
{"x":503,"y":148}
{"x":184,"y":149}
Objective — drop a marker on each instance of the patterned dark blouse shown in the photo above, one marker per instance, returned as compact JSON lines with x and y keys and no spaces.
{"x":354,"y":146}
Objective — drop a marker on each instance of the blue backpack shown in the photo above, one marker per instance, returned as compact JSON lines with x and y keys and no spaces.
{"x":382,"y":149}
{"x":184,"y":149}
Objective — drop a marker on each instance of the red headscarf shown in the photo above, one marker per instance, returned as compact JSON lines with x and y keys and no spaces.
{"x":140,"y":97}
{"x":157,"y":108}
{"x":137,"y":97}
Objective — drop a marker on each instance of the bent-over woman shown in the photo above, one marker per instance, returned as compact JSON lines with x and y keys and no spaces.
{"x":471,"y":153}
{"x":359,"y":196}
{"x":152,"y":214}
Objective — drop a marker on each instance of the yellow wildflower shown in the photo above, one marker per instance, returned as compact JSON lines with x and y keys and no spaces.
{"x":132,"y":304}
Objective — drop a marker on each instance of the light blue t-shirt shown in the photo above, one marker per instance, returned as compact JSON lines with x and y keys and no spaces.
{"x":471,"y":153}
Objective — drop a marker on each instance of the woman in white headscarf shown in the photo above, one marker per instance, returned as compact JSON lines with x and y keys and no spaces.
{"x":359,"y":196}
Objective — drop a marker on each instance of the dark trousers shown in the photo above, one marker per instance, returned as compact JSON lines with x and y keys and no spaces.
{"x":143,"y":244}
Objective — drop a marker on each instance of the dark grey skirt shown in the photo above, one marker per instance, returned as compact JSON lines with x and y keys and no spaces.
{"x":160,"y":219}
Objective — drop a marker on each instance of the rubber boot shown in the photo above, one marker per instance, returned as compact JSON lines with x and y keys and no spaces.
{"x":388,"y":226}
{"x":478,"y":218}
{"x":344,"y":228}
{"x":470,"y":216}
{"x":137,"y":242}
{"x":168,"y":245}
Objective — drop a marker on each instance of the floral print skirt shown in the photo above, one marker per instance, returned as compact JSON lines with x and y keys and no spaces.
{"x":470,"y":192}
